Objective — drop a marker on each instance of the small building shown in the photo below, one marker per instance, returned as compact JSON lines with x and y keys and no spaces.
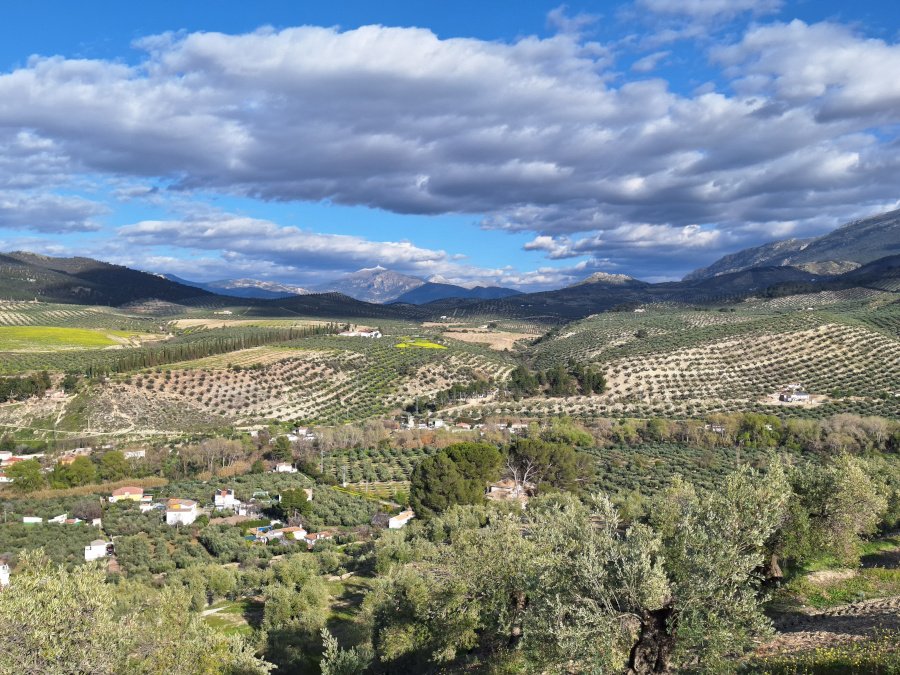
{"x":374,"y":334}
{"x":4,"y":478}
{"x":32,"y":520}
{"x":292,"y":532}
{"x":400,"y":520}
{"x":59,"y":520}
{"x":284,"y":467}
{"x":135,"y":454}
{"x":127,"y":493}
{"x":4,"y":575}
{"x":796,"y":396}
{"x":436,"y":423}
{"x":96,"y":549}
{"x":225,"y":499}
{"x":312,"y":538}
{"x":181,"y":511}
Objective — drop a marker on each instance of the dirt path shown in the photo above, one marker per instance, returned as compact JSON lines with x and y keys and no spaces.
{"x":821,"y":628}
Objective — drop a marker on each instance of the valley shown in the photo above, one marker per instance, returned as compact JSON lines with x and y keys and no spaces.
{"x":604,"y":402}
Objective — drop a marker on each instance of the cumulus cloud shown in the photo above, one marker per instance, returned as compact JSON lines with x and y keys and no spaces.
{"x":535,"y":135}
{"x":48,"y":213}
{"x":287,"y":246}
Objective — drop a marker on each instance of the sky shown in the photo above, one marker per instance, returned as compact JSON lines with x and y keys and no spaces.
{"x":517,"y":143}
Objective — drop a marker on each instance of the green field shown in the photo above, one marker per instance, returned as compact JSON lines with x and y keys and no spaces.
{"x":45,"y":338}
{"x":420,"y":343}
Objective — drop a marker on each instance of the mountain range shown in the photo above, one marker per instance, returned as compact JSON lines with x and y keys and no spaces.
{"x":244,"y":288}
{"x":375,"y":284}
{"x":841,"y":250}
{"x":857,"y":254}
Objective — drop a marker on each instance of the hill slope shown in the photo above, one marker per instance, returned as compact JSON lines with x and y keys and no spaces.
{"x":431,"y":291}
{"x":25,"y":276}
{"x":845,"y":248}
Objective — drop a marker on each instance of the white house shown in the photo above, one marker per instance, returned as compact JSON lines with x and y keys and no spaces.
{"x":181,"y":511}
{"x":135,"y":454}
{"x":314,"y":537}
{"x":129,"y":492}
{"x":292,"y":532}
{"x":95,"y":550}
{"x":361,"y":333}
{"x":225,"y":499}
{"x":31,"y":520}
{"x":60,"y":519}
{"x":284,"y":467}
{"x":400,"y":520}
{"x":4,"y":575}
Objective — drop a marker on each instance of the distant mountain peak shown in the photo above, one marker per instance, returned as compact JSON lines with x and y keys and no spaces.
{"x":608,"y":278}
{"x":372,"y":284}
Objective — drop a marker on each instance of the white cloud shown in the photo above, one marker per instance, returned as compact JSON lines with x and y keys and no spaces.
{"x":21,"y":210}
{"x":536,"y":135}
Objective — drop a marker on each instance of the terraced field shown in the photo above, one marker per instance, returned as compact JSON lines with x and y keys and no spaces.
{"x":842,"y":347}
{"x":47,"y":314}
{"x":314,"y":380}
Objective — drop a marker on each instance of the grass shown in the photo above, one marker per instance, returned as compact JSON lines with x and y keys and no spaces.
{"x":37,"y":338}
{"x":866,"y":584}
{"x":878,"y":656}
{"x":236,"y":617}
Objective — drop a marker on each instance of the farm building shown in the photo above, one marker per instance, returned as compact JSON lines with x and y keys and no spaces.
{"x":4,"y":575}
{"x":400,"y":520}
{"x":225,"y":499}
{"x":375,"y":334}
{"x":313,"y":537}
{"x":130,"y":492}
{"x":793,"y":396}
{"x":96,"y":549}
{"x":181,"y":511}
{"x":284,"y":467}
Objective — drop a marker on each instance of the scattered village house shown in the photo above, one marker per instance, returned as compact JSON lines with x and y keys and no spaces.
{"x":135,"y":454}
{"x":129,"y":492}
{"x":181,"y":511}
{"x":284,"y":467}
{"x":96,"y":549}
{"x":400,"y":520}
{"x":225,"y":499}
{"x":313,"y":537}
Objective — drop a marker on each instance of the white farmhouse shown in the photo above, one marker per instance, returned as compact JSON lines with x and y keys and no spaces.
{"x":128,"y":493}
{"x":284,"y":467}
{"x":400,"y":520}
{"x":96,"y":550}
{"x":225,"y":499}
{"x":181,"y":511}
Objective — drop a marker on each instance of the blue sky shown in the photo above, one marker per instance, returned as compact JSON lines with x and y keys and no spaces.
{"x":518,"y":143}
